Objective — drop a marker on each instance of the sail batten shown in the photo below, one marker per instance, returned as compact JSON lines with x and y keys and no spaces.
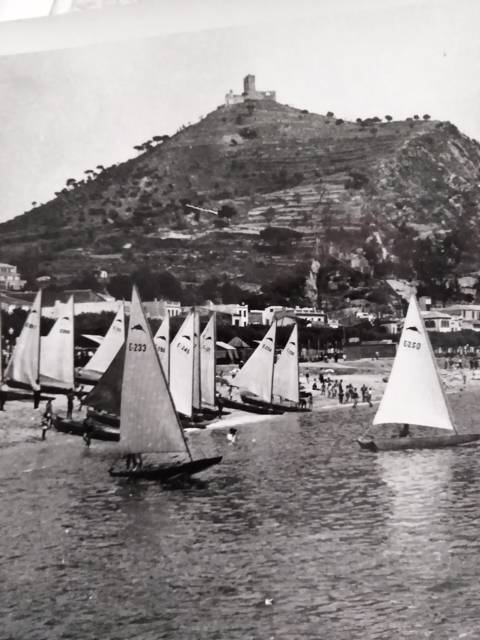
{"x":207,"y":360}
{"x":24,"y":365}
{"x":414,"y":393}
{"x":256,"y":375}
{"x":285,"y":374}
{"x":182,"y":367}
{"x":148,"y":421}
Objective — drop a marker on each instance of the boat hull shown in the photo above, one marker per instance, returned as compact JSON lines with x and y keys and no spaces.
{"x":167,"y":472}
{"x":114,"y":421}
{"x":77,"y":428}
{"x":275,"y":406}
{"x":432,"y":442}
{"x":250,"y":408}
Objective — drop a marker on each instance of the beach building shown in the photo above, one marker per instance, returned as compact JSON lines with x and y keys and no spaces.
{"x":10,"y":279}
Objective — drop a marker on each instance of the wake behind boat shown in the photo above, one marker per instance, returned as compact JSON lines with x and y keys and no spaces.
{"x":414,"y":395}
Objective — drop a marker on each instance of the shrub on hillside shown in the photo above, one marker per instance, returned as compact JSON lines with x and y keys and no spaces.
{"x":248,"y":133}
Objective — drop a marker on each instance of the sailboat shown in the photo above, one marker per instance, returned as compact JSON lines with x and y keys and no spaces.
{"x":182,"y":367}
{"x":149,"y":422}
{"x":106,"y":352}
{"x":207,"y":358}
{"x":255,"y":378}
{"x":57,"y":353}
{"x":284,"y":390}
{"x":23,"y":369}
{"x":286,"y":379}
{"x":414,"y":394}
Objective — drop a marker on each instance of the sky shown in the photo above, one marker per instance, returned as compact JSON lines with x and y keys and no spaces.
{"x":74,"y":107}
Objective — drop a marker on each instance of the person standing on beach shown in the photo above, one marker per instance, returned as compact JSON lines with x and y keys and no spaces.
{"x":37,"y":393}
{"x":70,"y":399}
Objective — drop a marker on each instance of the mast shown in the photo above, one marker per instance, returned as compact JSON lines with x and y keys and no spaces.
{"x":215,"y":357}
{"x":1,"y":345}
{"x":197,"y":374}
{"x":37,"y":379}
{"x":273,"y":368}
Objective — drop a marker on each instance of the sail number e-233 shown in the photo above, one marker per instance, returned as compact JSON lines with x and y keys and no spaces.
{"x":137,"y":346}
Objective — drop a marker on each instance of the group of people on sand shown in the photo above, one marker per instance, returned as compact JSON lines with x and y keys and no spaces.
{"x":335,"y":389}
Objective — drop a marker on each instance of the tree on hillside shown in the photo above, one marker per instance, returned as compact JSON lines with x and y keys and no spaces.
{"x":416,"y":117}
{"x":227,"y":211}
{"x":388,"y":118}
{"x":330,"y":114}
{"x":426,"y":116}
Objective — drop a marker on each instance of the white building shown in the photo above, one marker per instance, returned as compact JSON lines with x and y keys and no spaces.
{"x":311,"y":315}
{"x":10,"y":278}
{"x":440,"y":321}
{"x":239,"y":312}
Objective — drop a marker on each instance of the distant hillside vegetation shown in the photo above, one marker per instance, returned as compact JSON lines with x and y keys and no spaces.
{"x":381,"y":197}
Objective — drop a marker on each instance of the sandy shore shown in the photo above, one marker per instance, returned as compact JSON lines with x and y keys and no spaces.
{"x":20,"y":422}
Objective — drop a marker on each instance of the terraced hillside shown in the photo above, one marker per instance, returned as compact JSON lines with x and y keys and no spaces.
{"x":378,"y":189}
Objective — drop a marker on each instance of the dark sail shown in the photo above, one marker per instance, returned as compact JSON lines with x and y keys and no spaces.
{"x":105,"y":396}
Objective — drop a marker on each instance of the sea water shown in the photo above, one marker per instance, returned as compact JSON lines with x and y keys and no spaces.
{"x":296,"y":534}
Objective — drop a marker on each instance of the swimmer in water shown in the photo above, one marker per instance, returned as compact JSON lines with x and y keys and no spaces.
{"x":232,"y":435}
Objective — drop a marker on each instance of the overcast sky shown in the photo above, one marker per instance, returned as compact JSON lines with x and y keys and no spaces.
{"x":68,"y":110}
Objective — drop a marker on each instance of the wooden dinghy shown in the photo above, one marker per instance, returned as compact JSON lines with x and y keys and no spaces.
{"x":275,"y":406}
{"x":166,"y":472}
{"x":250,"y":408}
{"x":414,"y":395}
{"x":425,"y":442}
{"x":149,"y":422}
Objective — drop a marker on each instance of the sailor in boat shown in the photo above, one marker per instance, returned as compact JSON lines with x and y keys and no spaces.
{"x":232,"y":435}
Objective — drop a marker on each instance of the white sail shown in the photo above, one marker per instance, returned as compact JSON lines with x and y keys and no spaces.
{"x":148,"y":422}
{"x":197,"y":372}
{"x":181,"y":367}
{"x":285,"y":373}
{"x":56,"y":351}
{"x":414,"y":393}
{"x":207,"y":360}
{"x":110,"y":345}
{"x":256,"y":375}
{"x":162,"y":343}
{"x":25,"y":361}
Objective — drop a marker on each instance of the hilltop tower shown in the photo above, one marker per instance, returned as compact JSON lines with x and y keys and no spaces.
{"x":249,"y":93}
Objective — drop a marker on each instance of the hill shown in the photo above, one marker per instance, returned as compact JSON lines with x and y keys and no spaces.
{"x":373,"y":198}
